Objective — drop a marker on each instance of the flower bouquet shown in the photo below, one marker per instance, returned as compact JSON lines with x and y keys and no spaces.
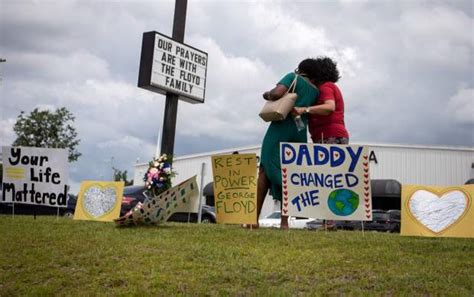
{"x":159,"y":174}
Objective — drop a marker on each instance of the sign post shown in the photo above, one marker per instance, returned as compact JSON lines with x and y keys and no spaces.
{"x":171,"y":108}
{"x":172,"y":68}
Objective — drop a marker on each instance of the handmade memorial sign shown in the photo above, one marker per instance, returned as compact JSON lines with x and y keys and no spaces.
{"x":35,"y":176}
{"x":157,"y":209}
{"x":99,"y":201}
{"x":326,"y":181}
{"x":437,"y":211}
{"x":235,"y":188}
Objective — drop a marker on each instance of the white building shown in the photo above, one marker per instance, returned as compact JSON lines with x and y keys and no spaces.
{"x":400,"y":164}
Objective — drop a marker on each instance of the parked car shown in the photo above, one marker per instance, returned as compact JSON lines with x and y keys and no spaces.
{"x":71,"y":206}
{"x":273,"y":221}
{"x":344,"y":225}
{"x":208,"y":215}
{"x":319,"y":224}
{"x":382,"y":220}
{"x":131,"y":196}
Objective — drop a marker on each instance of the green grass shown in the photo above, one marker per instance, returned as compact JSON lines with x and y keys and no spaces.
{"x":50,"y":256}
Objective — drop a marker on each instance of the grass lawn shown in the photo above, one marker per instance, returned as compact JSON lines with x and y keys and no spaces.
{"x":50,"y":256}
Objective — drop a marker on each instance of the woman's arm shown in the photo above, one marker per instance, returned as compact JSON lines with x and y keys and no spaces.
{"x":275,"y":93}
{"x":328,"y":107}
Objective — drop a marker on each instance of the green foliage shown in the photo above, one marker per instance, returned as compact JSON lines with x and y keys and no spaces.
{"x":50,"y":256}
{"x":120,"y":175}
{"x":49,"y":130}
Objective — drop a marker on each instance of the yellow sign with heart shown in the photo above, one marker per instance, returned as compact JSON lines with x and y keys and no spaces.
{"x":99,"y":201}
{"x":437,"y":211}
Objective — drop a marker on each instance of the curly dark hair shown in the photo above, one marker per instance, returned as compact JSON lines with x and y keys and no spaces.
{"x":321,"y":69}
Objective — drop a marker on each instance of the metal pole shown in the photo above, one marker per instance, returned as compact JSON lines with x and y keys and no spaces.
{"x":201,"y":192}
{"x":171,"y":107}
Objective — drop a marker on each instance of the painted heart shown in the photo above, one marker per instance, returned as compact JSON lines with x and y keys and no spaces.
{"x":285,"y":193}
{"x":288,"y":153}
{"x":284,"y":170}
{"x":437,"y":213}
{"x":285,"y":186}
{"x":365,"y":163}
{"x":365,"y":157}
{"x":98,"y":201}
{"x":285,"y":204}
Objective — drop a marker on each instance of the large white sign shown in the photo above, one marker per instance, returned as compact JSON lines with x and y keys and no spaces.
{"x":175,"y":67}
{"x":326,"y":181}
{"x":35,"y":176}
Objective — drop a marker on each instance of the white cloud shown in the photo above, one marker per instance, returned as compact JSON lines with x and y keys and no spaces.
{"x":78,"y":65}
{"x":233,"y":96}
{"x":461,"y":106}
{"x":7,"y":135}
{"x":439,"y":35}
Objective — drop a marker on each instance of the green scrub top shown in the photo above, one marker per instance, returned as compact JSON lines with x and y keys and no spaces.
{"x":285,"y":131}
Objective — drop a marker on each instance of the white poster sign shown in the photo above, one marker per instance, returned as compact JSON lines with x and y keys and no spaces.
{"x":35,"y":176}
{"x":326,"y":181}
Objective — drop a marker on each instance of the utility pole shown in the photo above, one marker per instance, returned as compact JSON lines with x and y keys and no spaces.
{"x":2,"y":61}
{"x":171,"y":107}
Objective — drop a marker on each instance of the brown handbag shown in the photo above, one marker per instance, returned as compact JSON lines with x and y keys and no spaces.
{"x":278,"y":110}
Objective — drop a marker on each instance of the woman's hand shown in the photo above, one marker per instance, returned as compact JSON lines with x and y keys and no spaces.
{"x":298,"y":111}
{"x":266,"y":95}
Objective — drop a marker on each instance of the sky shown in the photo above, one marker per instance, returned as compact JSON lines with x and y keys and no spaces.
{"x":406,"y":71}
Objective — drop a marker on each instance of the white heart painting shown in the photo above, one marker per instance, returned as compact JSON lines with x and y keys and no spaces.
{"x":99,"y":201}
{"x":435,"y":212}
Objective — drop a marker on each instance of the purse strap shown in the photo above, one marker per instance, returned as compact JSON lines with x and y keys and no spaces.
{"x":293,"y":85}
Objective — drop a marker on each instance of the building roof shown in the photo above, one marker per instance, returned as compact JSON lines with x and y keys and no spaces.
{"x":257,"y":147}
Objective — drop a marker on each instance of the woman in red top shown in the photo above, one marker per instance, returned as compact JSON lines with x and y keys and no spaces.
{"x":326,"y":118}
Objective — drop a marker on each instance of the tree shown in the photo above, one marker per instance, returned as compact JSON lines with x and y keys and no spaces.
{"x":48,"y":129}
{"x":120,"y":175}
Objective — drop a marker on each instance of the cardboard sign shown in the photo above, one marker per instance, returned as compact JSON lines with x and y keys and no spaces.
{"x":437,"y":211}
{"x":235,"y":188}
{"x":169,"y":66}
{"x":99,"y":201}
{"x":35,"y":176}
{"x":157,"y":209}
{"x":326,"y":181}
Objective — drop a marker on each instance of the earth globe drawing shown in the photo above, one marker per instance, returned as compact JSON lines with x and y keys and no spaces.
{"x":343,"y":202}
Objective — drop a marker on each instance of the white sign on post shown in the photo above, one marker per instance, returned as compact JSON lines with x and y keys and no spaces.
{"x":170,"y":66}
{"x":35,"y":176}
{"x":326,"y":181}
